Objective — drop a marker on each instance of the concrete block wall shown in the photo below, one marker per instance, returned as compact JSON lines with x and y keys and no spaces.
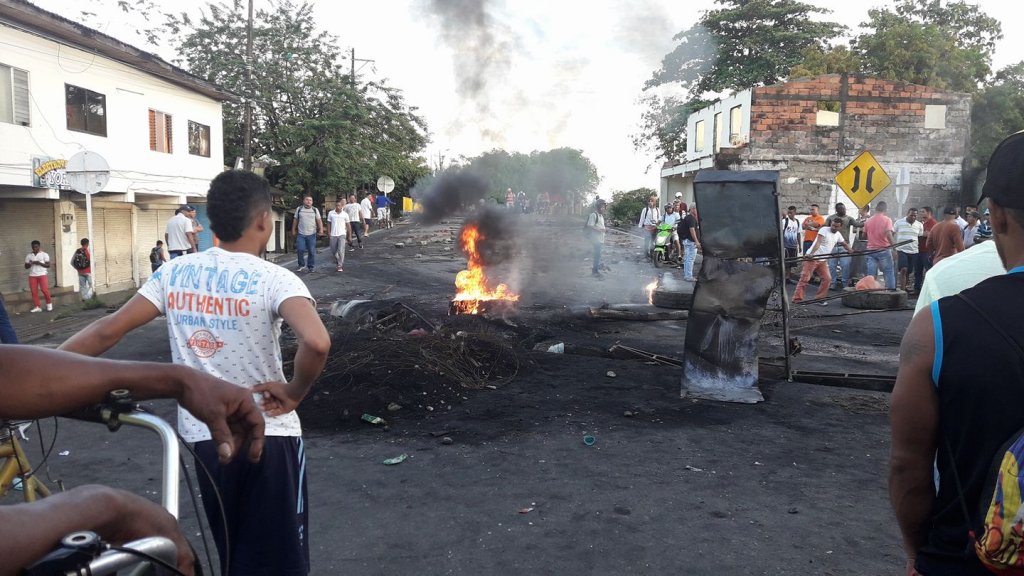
{"x":884,"y":117}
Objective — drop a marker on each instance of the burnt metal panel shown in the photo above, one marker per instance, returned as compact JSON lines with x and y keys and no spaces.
{"x":743,"y":262}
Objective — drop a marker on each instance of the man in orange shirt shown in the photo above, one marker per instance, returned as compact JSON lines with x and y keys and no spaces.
{"x":811,"y":225}
{"x":945,"y":238}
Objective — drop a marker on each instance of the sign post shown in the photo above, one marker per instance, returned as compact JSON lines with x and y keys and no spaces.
{"x":863,"y":179}
{"x":88,"y":173}
{"x":902,"y":188}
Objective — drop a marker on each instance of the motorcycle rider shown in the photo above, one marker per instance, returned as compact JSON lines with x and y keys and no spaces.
{"x":672,"y":219}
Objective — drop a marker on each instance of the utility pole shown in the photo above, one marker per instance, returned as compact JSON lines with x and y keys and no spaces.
{"x":353,"y":61}
{"x":247,"y":160}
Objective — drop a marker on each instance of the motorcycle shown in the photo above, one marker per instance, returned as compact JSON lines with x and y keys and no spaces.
{"x":664,"y":251}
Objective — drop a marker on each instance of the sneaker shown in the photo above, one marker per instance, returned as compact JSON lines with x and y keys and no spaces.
{"x":597,"y":275}
{"x":360,"y":246}
{"x":823,"y":303}
{"x":689,"y":279}
{"x":339,"y":269}
{"x":49,"y":307}
{"x":36,"y":309}
{"x":302,"y":269}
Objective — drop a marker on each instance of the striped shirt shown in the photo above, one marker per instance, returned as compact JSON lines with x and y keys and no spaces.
{"x":906,"y":231}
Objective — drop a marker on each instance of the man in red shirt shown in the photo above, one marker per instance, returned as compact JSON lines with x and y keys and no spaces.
{"x":945,"y":238}
{"x":878,"y":229}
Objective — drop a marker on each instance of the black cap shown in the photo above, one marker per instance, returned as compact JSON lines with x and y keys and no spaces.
{"x":1004,"y":182}
{"x":949,"y":211}
{"x":187,"y":208}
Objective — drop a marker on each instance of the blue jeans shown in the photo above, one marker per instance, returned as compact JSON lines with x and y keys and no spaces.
{"x":689,"y":255}
{"x":844,"y":265}
{"x":597,"y":257}
{"x":883,"y":260}
{"x":306,"y":243}
{"x":7,"y":334}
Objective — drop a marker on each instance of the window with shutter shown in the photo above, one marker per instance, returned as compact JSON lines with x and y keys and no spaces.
{"x":160,"y":136}
{"x":14,"y":99}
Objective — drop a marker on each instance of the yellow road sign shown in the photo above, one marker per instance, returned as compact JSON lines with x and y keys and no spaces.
{"x":863,"y":179}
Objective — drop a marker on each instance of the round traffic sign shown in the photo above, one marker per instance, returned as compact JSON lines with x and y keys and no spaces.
{"x":88,"y":172}
{"x":385,"y":184}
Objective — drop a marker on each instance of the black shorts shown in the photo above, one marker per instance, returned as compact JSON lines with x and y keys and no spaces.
{"x":265,"y":505}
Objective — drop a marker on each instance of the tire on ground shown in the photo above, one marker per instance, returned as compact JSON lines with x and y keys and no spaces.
{"x":672,"y":299}
{"x":881,"y":300}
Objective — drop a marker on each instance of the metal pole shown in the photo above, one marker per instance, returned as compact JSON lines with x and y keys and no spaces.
{"x":247,"y":160}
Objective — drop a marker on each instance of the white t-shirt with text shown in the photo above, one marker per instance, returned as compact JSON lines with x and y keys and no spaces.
{"x":222,"y":317}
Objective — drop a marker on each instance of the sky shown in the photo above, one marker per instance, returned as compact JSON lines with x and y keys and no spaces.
{"x":522,"y":75}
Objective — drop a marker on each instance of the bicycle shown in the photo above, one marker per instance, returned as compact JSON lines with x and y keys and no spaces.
{"x":84,"y":553}
{"x":16,"y":471}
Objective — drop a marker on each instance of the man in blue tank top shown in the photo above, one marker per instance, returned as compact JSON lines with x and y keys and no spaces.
{"x":959,"y":392}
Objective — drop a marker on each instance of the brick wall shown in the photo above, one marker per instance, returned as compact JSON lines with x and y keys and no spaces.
{"x":887,"y":118}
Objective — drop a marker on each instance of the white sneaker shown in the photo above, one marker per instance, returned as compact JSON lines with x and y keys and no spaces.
{"x":49,"y":307}
{"x":301,"y":269}
{"x":36,"y":309}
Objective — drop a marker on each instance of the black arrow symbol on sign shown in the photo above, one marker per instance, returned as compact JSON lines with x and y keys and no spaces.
{"x":871,"y":172}
{"x":856,"y":179}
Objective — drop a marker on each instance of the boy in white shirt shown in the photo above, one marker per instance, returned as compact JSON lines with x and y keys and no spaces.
{"x":340,"y":230}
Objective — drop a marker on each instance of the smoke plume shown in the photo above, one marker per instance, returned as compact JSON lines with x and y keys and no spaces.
{"x":499,"y":236}
{"x":448,"y":194}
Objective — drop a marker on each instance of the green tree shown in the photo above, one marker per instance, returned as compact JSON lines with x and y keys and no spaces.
{"x":831,"y":60}
{"x":326,"y":133}
{"x":744,"y":43}
{"x":563,"y":173}
{"x":945,"y":46}
{"x":998,"y":111}
{"x":625,"y":207}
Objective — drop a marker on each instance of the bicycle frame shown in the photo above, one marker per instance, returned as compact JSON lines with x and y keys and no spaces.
{"x":17,"y":466}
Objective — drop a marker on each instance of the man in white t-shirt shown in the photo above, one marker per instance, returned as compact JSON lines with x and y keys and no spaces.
{"x":180,"y":235}
{"x":355,"y":219}
{"x":366,"y":212}
{"x":650,"y":217}
{"x":340,"y":229}
{"x":224,"y":310}
{"x":908,"y":256}
{"x":814,"y":261}
{"x":38,"y":264}
{"x":596,"y":230}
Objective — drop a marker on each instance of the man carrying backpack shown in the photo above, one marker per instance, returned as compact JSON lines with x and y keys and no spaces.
{"x":157,"y":256}
{"x":81,"y":261}
{"x":957,"y":402}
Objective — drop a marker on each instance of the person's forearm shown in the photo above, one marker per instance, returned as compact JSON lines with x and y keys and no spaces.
{"x":912,"y":493}
{"x":50,"y":382}
{"x":309,"y":363}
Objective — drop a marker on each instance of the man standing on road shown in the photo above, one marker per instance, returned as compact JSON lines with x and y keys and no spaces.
{"x":824,"y":241}
{"x":180,"y":234}
{"x":811,"y":225}
{"x":339,"y":228}
{"x":232,"y":330}
{"x":950,"y":413}
{"x":909,"y":230}
{"x":972,"y":229}
{"x":879,"y":230}
{"x":81,"y":261}
{"x":945,"y":239}
{"x":306,"y":226}
{"x":355,"y":221}
{"x":597,"y":230}
{"x":790,"y":240}
{"x":650,"y":216}
{"x":37,"y":263}
{"x":849,"y":223}
{"x":156,"y":256}
{"x":366,"y":212}
{"x":691,"y":242}
{"x":924,"y":246}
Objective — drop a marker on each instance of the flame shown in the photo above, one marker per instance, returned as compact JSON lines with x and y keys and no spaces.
{"x":650,"y":291}
{"x":471,"y":286}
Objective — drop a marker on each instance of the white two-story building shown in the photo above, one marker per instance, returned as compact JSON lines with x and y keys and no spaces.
{"x":65,"y":88}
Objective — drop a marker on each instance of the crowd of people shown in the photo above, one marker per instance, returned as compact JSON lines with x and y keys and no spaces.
{"x":348,"y":224}
{"x":683,"y":236}
{"x":901,"y":252}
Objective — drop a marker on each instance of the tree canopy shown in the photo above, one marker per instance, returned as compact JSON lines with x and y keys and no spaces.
{"x":324,"y":132}
{"x":564,"y":172}
{"x":744,"y":43}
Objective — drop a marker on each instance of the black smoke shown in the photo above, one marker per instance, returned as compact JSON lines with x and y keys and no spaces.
{"x":499,"y":236}
{"x":448,"y":194}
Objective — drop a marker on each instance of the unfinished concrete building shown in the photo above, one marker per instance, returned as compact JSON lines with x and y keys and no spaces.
{"x":811,"y":128}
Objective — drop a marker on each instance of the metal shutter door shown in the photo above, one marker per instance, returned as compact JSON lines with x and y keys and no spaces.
{"x":149,"y":231}
{"x":23,"y":222}
{"x":118,"y":248}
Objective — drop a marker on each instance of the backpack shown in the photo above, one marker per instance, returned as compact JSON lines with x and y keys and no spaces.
{"x":79,"y":261}
{"x":999,"y":544}
{"x":154,"y":255}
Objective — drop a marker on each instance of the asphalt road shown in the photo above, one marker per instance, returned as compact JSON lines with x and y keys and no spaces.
{"x":794,"y":485}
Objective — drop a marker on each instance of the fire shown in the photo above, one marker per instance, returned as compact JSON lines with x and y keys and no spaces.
{"x":471,"y":286}
{"x":650,"y":288}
